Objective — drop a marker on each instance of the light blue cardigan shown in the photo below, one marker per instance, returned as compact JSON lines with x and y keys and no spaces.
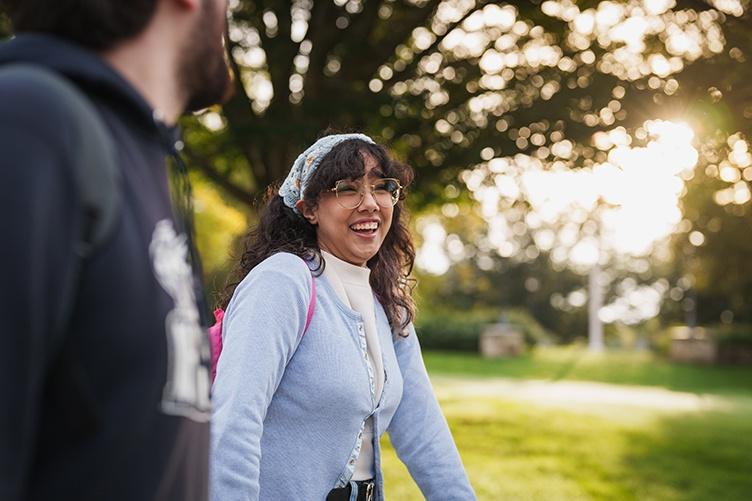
{"x":289,"y":409}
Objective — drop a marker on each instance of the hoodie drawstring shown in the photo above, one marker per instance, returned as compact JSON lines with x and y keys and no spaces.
{"x":183,"y":206}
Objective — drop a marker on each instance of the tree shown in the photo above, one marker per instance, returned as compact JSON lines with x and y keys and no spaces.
{"x":4,"y":26}
{"x":452,"y":83}
{"x":713,"y":251}
{"x":532,"y":286}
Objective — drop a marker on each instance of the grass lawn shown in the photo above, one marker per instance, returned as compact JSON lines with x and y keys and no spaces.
{"x":515,"y":446}
{"x":573,"y":363}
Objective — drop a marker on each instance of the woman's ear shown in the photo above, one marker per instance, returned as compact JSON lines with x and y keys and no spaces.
{"x":310,"y":214}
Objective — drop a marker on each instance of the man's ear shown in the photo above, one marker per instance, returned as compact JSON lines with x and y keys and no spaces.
{"x":310,"y":214}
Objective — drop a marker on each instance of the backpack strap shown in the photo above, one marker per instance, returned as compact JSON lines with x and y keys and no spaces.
{"x":97,"y":180}
{"x":311,"y":304}
{"x":95,"y":165}
{"x":215,"y":331}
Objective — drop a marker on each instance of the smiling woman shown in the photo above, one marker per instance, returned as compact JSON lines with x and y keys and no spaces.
{"x":319,"y":355}
{"x":354,"y":217}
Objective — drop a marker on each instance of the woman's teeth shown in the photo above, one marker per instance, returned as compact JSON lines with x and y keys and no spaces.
{"x":365,"y":227}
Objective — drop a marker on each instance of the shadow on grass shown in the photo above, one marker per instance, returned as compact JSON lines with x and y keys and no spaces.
{"x":693,"y":457}
{"x":518,"y":451}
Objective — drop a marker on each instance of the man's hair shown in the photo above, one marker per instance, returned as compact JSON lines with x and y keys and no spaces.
{"x":96,"y":24}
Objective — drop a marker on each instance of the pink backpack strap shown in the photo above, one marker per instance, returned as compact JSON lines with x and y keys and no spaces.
{"x":215,"y":331}
{"x":215,"y":340}
{"x":311,"y":304}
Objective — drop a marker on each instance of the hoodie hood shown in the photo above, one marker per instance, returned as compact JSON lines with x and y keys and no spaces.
{"x":87,"y":70}
{"x":101,"y":82}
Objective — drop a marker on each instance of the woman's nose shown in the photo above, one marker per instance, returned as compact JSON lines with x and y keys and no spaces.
{"x":369,"y":201}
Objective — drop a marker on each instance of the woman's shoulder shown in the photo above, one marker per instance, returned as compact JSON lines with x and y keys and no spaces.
{"x":282,"y":264}
{"x":284,"y":260}
{"x":281,"y":271}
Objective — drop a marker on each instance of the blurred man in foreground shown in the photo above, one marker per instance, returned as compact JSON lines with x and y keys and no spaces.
{"x":104,"y":362}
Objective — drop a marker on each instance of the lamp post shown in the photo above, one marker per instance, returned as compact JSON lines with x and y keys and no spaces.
{"x":595,"y":282}
{"x":595,"y":303}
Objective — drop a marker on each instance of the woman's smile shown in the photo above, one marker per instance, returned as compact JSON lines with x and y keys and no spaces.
{"x":366,"y":228}
{"x":353,"y":235}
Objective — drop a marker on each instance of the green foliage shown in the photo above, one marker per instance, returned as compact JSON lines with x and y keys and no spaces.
{"x":452,"y":331}
{"x":511,"y":285}
{"x":219,"y":224}
{"x":734,"y":344}
{"x":735,"y":333}
{"x":5,"y":28}
{"x":533,"y":331}
{"x":460,"y":330}
{"x":658,"y":336}
{"x":717,"y":274}
{"x":616,"y":367}
{"x":640,"y":336}
{"x":389,"y":69}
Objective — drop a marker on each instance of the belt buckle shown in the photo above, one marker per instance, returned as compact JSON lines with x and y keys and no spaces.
{"x":369,"y":491}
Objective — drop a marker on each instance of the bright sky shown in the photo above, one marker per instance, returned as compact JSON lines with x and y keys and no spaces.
{"x":639,"y":186}
{"x":637,"y":191}
{"x":633,"y":198}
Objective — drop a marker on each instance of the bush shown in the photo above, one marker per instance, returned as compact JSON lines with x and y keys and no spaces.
{"x":460,"y":330}
{"x":533,"y":331}
{"x":734,"y":333}
{"x":734,"y":344}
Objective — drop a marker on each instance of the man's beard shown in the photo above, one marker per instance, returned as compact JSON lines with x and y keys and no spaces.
{"x":204,"y":72}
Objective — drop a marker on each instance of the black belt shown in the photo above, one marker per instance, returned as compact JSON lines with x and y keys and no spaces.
{"x":366,"y":491}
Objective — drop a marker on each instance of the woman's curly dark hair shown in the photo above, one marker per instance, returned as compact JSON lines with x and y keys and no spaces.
{"x":280,"y":229}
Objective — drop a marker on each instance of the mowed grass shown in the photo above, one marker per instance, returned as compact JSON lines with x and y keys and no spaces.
{"x":526,"y":450}
{"x":577,"y":364}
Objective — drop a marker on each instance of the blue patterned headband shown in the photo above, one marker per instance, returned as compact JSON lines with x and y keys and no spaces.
{"x":306,"y":164}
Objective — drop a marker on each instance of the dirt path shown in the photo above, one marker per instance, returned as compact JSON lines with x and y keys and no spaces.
{"x":585,"y":396}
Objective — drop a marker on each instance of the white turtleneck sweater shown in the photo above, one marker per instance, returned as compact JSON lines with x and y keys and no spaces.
{"x":352,"y":285}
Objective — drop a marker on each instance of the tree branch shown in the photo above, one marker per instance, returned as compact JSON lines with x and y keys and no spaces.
{"x":410,"y":67}
{"x":204,"y":166}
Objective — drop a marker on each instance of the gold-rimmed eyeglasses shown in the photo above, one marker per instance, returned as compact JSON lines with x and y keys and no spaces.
{"x":350,"y":194}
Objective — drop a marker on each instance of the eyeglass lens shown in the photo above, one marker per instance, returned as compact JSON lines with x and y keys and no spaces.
{"x":350,"y":193}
